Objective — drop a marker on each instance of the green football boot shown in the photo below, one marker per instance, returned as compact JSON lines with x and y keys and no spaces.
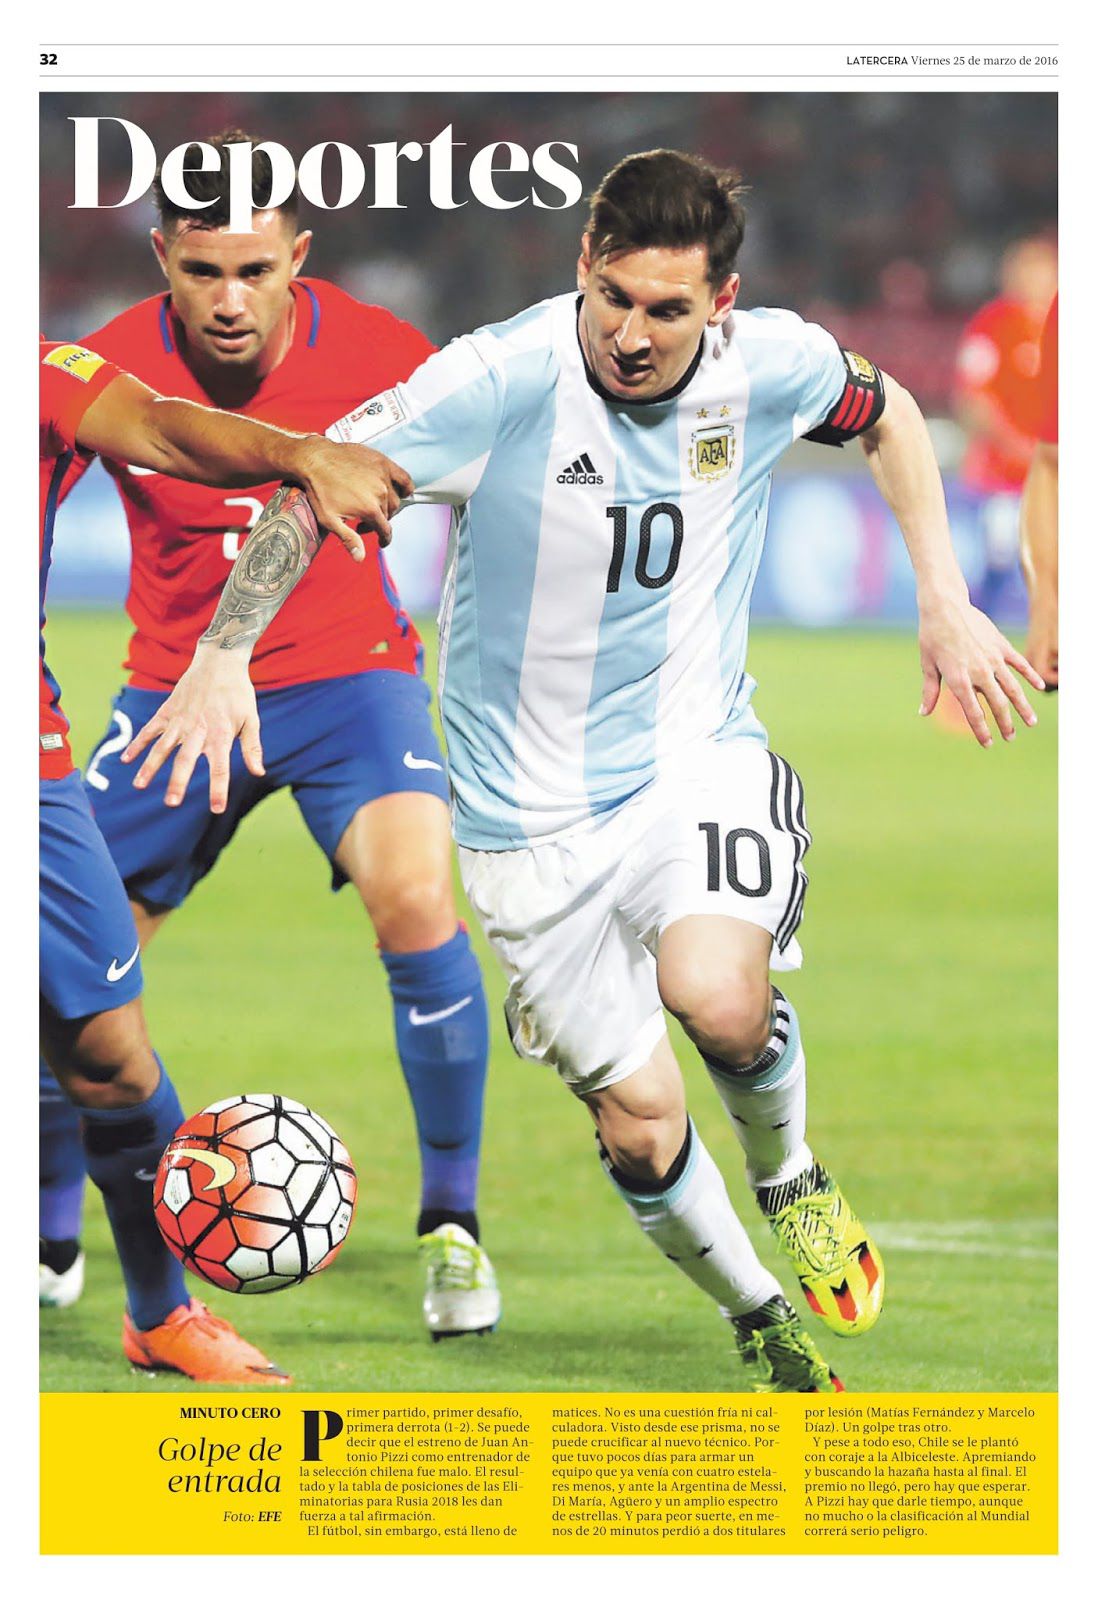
{"x":839,"y":1266}
{"x":778,"y":1353}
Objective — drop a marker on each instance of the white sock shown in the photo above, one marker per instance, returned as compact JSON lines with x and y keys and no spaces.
{"x":692,"y":1222}
{"x":768,"y":1102}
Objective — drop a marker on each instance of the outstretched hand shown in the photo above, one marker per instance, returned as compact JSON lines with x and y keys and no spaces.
{"x":960,"y":646}
{"x":212,"y":705}
{"x":350,"y":484}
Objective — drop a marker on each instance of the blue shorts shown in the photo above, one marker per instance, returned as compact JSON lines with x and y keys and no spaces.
{"x":337,"y":743}
{"x":88,"y":952}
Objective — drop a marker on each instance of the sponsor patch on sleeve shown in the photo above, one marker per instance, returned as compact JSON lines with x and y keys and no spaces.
{"x":75,"y":360}
{"x":369,"y":419}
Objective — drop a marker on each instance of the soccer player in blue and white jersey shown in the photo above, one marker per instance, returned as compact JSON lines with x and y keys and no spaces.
{"x":626,"y":837}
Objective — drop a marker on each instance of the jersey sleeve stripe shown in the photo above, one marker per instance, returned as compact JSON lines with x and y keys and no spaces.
{"x":61,"y":466}
{"x":166,"y":327}
{"x":314,"y":326}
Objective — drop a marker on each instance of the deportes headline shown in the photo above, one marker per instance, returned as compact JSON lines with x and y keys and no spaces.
{"x":560,"y":185}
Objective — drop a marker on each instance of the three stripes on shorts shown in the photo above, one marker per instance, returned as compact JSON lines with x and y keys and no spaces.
{"x":787,"y":816}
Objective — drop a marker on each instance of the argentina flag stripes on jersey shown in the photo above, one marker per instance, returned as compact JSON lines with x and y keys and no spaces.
{"x":595,"y":612}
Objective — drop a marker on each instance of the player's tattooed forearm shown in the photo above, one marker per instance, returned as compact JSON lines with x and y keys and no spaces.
{"x":275,"y":556}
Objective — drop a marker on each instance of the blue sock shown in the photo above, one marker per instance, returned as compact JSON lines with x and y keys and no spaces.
{"x":61,"y":1169}
{"x":441,"y":1022}
{"x":123,"y":1148}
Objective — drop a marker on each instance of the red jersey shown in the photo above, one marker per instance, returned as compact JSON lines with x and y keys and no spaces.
{"x":1048,"y":378}
{"x":346,"y":617}
{"x":70,"y":378}
{"x":998,"y":359}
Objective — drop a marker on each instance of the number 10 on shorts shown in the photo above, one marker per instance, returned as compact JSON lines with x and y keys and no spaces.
{"x":743,"y":848}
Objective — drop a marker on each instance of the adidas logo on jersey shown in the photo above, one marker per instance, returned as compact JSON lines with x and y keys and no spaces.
{"x":582,"y":470}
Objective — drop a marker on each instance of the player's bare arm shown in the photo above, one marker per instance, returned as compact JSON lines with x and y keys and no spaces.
{"x":958,"y":644}
{"x":1039,"y":532}
{"x":345,"y":484}
{"x":274,"y":560}
{"x":214,"y":701}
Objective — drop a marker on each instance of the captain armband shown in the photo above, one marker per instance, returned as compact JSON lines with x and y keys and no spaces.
{"x":857,"y":408}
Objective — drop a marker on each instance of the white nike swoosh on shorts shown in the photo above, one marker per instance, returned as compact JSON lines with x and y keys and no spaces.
{"x":414,"y":761}
{"x":418,"y":1018}
{"x":114,"y":971}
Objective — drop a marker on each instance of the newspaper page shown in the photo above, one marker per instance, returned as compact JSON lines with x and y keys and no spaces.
{"x":661,"y":336}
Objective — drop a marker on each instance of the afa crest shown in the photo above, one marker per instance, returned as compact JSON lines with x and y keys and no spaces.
{"x":712,"y":451}
{"x":859,"y":366}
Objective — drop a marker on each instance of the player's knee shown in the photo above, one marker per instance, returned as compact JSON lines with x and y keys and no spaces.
{"x":115,"y":1093}
{"x":728,"y":1017}
{"x":108,"y":1062}
{"x":412,"y":910}
{"x":643,"y":1146}
{"x":642,"y":1123}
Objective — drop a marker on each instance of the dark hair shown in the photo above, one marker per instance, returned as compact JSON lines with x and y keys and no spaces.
{"x":215,"y":186}
{"x":668,"y":199}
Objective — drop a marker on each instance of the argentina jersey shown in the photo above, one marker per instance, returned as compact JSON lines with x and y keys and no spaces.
{"x":595,"y":613}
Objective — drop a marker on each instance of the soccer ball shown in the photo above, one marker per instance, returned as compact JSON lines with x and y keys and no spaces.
{"x":255,"y":1193}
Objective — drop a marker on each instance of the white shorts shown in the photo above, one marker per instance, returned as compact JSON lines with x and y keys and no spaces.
{"x":576,"y":921}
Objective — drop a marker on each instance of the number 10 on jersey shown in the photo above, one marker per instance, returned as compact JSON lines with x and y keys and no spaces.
{"x":619,"y":516}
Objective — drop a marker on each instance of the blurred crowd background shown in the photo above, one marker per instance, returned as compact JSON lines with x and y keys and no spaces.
{"x":919,"y":228}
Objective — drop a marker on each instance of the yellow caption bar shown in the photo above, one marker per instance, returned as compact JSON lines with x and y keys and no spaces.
{"x":548,"y":1473}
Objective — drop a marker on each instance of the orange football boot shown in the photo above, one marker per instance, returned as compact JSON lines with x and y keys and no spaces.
{"x":200,"y":1346}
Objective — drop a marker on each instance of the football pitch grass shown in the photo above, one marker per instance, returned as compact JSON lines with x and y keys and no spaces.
{"x":928,"y":1004}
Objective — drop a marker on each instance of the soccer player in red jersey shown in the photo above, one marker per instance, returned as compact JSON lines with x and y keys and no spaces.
{"x":1040,"y":522}
{"x":996,"y":405}
{"x":345,"y":709}
{"x":92,"y":1024}
{"x":996,"y":365}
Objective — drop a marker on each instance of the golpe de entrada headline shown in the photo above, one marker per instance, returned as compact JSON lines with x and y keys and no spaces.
{"x":331,"y":175}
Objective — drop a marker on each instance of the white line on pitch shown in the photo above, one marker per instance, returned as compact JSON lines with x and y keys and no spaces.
{"x":976,"y":1237}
